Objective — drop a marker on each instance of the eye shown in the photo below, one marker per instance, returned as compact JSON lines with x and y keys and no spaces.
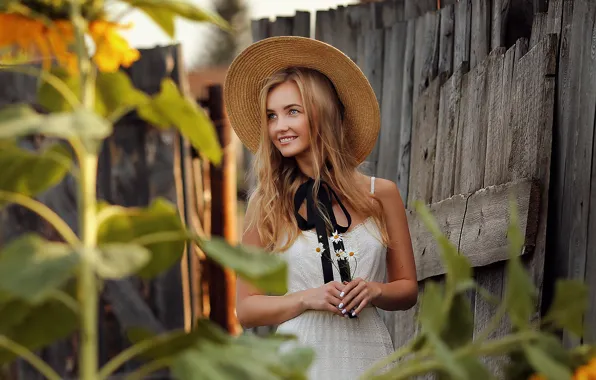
{"x":271,"y":116}
{"x":294,"y":111}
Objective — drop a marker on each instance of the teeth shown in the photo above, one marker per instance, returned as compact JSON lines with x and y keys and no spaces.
{"x":287,"y":139}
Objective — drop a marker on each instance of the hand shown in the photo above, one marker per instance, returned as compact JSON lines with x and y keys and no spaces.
{"x":324,"y":298}
{"x":357,"y":294}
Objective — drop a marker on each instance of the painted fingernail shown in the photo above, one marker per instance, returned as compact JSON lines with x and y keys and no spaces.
{"x":341,"y":305}
{"x":343,"y":311}
{"x":353,"y":314}
{"x":341,"y":294}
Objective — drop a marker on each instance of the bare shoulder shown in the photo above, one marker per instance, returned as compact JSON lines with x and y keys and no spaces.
{"x":387,"y":191}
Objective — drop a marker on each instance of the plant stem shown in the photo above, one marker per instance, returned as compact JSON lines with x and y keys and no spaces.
{"x":149,"y":368}
{"x":120,"y":359}
{"x":45,"y":212}
{"x":87,"y":286}
{"x":30,"y":357}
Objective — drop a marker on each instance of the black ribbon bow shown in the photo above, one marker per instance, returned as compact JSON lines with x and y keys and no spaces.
{"x":315,"y":220}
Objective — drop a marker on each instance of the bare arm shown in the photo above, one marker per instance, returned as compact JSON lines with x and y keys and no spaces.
{"x":253,"y":308}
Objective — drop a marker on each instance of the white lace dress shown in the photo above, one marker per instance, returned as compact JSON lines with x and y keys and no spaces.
{"x":344,"y":347}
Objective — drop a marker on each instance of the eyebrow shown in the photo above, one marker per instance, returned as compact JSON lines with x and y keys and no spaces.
{"x":286,"y":107}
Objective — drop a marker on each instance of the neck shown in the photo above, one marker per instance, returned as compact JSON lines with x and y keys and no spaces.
{"x":306,"y":166}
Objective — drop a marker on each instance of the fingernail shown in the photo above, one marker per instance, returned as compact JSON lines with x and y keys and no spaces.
{"x":353,"y":314}
{"x":341,"y":294}
{"x":341,"y":305}
{"x":343,"y":311}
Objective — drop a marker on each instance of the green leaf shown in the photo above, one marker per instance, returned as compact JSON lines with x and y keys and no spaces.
{"x":34,"y":326}
{"x":133,"y":225}
{"x":118,"y":260}
{"x":246,"y":357}
{"x":431,"y":307}
{"x":519,"y":290}
{"x":545,"y":365}
{"x":30,"y":173}
{"x":31,"y":268}
{"x":114,"y":91}
{"x":445,"y":356}
{"x":169,"y":108}
{"x":22,"y":120}
{"x":474,"y":368}
{"x":459,"y":328}
{"x":568,"y":307}
{"x":162,"y":12}
{"x":52,"y":100}
{"x":266,"y":271}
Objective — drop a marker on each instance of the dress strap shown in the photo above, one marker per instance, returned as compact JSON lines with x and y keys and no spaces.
{"x":372,"y":185}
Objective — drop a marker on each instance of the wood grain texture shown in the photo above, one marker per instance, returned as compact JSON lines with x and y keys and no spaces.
{"x":577,"y":128}
{"x":447,"y":34}
{"x":471,"y":138}
{"x":324,"y":26}
{"x":373,"y":41}
{"x":497,"y":27}
{"x":404,"y":151}
{"x":539,"y":28}
{"x":417,"y":8}
{"x":478,"y":223}
{"x":449,"y":109}
{"x":424,"y":139}
{"x":393,"y":71}
{"x":534,"y":78}
{"x":481,"y":33}
{"x":555,"y":16}
{"x":426,"y":62}
{"x":463,"y":25}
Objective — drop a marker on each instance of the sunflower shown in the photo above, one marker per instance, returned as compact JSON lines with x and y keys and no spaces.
{"x":54,"y":41}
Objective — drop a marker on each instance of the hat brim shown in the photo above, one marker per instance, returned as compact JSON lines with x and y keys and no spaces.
{"x":260,"y":60}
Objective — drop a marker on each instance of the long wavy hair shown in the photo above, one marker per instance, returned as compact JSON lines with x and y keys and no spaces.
{"x":278,"y":177}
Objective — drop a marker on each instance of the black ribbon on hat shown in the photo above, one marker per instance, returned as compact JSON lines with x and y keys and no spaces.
{"x":315,"y":220}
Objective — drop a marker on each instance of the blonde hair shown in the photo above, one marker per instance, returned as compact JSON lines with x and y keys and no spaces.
{"x":279,"y":177}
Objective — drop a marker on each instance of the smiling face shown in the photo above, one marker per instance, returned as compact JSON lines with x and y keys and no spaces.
{"x":287,"y":122}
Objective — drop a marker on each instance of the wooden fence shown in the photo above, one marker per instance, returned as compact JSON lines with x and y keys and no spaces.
{"x":137,"y":164}
{"x":467,"y":104}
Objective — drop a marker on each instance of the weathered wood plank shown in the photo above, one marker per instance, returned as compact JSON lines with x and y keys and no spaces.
{"x":539,"y":27}
{"x":393,"y":71}
{"x":324,"y":26}
{"x":471,"y":146}
{"x":391,"y":12}
{"x":424,"y":140}
{"x":534,"y":77}
{"x":301,"y":24}
{"x":480,"y":221}
{"x":497,"y":28}
{"x":463,"y":24}
{"x":578,"y":128}
{"x":417,"y":8}
{"x":426,"y":64}
{"x":373,"y":69}
{"x":282,"y":26}
{"x":481,"y":33}
{"x":261,"y":29}
{"x":403,"y":170}
{"x":555,"y":16}
{"x":449,"y":108}
{"x":447,"y":34}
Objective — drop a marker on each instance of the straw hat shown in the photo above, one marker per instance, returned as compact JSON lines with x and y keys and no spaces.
{"x":260,"y":60}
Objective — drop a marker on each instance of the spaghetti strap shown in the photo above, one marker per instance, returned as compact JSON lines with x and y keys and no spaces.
{"x":372,"y":185}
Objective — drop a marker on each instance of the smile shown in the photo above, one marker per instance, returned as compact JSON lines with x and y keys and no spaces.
{"x":286,"y":140}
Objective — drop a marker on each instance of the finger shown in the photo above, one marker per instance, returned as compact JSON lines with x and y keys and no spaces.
{"x":334,"y":301}
{"x":351,"y":285}
{"x":352,"y":305}
{"x":360,"y":307}
{"x":335,"y":289}
{"x":350,"y":294}
{"x":334,"y":310}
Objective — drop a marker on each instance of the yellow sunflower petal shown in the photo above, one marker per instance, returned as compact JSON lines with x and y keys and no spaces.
{"x":112,"y":50}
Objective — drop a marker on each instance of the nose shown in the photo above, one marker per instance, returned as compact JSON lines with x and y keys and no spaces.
{"x":281,"y":125}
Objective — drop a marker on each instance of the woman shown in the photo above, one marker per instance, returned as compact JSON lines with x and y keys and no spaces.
{"x":311,"y":117}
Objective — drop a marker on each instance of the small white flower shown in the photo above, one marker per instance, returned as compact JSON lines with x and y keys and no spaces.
{"x":341,"y":254}
{"x":336,"y":237}
{"x":351,"y":254}
{"x":319,"y":249}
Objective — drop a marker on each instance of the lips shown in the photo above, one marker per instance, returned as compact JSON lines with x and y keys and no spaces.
{"x":287,"y":139}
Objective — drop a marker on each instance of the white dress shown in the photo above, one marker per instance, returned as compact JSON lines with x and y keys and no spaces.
{"x":344,"y":347}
